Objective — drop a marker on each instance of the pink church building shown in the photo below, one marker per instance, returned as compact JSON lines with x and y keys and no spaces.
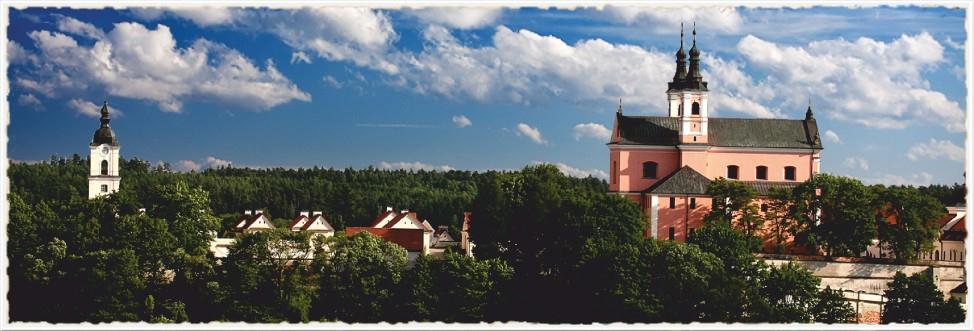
{"x":665,"y":163}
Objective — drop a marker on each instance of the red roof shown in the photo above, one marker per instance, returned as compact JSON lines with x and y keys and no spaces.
{"x":959,"y":226}
{"x":311,"y":220}
{"x":410,"y":239}
{"x":381,"y":217}
{"x":296,"y":220}
{"x":250,"y":220}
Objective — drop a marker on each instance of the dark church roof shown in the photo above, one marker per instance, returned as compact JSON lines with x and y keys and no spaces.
{"x":683,"y":181}
{"x":722,"y":132}
{"x":104,"y":134}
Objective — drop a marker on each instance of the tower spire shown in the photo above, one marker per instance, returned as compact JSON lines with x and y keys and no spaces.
{"x":694,"y":79}
{"x":104,"y":114}
{"x":681,"y":62}
{"x":808,"y":112}
{"x":620,"y":106}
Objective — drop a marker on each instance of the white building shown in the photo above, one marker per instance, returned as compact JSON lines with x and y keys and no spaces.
{"x":403,"y":228}
{"x":104,"y":177}
{"x":315,"y":223}
{"x":253,"y":221}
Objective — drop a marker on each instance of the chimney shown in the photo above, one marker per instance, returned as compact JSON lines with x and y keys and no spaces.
{"x":304,"y":213}
{"x":388,"y":208}
{"x":246,"y":212}
{"x":258,"y":212}
{"x":404,"y":211}
{"x":315,"y":213}
{"x":443,"y":227}
{"x":141,"y":210}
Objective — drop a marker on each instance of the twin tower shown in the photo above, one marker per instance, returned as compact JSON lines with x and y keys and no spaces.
{"x":687,"y":95}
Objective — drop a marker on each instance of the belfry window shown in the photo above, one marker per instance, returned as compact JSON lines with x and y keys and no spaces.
{"x":104,"y":188}
{"x":732,"y":172}
{"x":789,"y":173}
{"x":649,"y":169}
{"x":762,"y":173}
{"x":104,"y":167}
{"x":696,"y":109}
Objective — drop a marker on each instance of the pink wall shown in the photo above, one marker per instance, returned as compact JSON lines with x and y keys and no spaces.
{"x":676,"y":217}
{"x":747,"y":163}
{"x":630,"y":168}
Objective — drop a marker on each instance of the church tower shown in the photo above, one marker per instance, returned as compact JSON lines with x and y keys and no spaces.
{"x":687,"y":95}
{"x":103,"y":178}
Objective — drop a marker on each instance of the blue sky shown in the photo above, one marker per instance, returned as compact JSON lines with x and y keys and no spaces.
{"x":481,"y":88}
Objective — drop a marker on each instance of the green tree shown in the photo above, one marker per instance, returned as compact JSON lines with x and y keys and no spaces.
{"x":358,"y":277}
{"x":733,"y":203}
{"x":835,"y":214}
{"x":915,"y":216}
{"x":454,"y":288}
{"x":831,"y":307}
{"x":792,"y":292}
{"x":916,"y":299}
{"x":735,"y":295}
{"x":779,"y":216}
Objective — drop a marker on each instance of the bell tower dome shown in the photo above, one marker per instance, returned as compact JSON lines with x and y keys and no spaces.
{"x":104,"y":178}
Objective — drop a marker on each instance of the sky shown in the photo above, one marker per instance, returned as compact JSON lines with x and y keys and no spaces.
{"x":478,"y":88}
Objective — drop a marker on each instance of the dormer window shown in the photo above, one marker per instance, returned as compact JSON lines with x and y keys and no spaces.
{"x":696,"y":109}
{"x":761,"y":173}
{"x":649,"y":170}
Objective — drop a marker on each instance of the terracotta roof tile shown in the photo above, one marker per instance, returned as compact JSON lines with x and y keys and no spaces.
{"x":410,"y":239}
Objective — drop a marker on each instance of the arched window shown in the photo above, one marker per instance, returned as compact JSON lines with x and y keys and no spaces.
{"x":696,"y":108}
{"x":789,"y":173}
{"x":732,"y":172}
{"x":649,"y":169}
{"x":615,"y":173}
{"x":680,"y":110}
{"x":762,"y":173}
{"x":936,"y":254}
{"x":104,"y":167}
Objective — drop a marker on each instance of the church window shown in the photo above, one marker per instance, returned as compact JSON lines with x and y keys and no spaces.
{"x":789,"y":173}
{"x":693,"y":203}
{"x":696,"y":109}
{"x":104,"y":167}
{"x":762,"y":173}
{"x":732,"y":172}
{"x":615,"y":177}
{"x":649,"y":170}
{"x":672,"y":233}
{"x":764,"y":208}
{"x":672,"y":202}
{"x":104,"y":188}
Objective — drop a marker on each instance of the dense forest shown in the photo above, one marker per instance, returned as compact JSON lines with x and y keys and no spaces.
{"x":550,"y":248}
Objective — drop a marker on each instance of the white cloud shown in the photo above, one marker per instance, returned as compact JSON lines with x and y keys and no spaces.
{"x":412,"y":166}
{"x":832,"y":137}
{"x":936,"y":149}
{"x":208,"y":162}
{"x":856,"y":162}
{"x":202,"y":16}
{"x":872,"y":83}
{"x":140,"y":63}
{"x":576,"y":172}
{"x":90,"y":109}
{"x":300,"y":57}
{"x":531,"y":133}
{"x":332,"y":81}
{"x":953,"y":44}
{"x":16,"y":54}
{"x":523,"y":66}
{"x":457,"y":17}
{"x":592,"y":130}
{"x":29,"y":100}
{"x":79,"y":28}
{"x":919,"y":179}
{"x":665,"y":20}
{"x":461,"y":121}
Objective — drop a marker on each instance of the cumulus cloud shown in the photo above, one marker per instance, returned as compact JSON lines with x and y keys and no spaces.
{"x":413,"y":166}
{"x":592,"y":130}
{"x":665,"y":20}
{"x":16,"y":54}
{"x":869,"y":82}
{"x":29,"y":100}
{"x":935,"y":150}
{"x":832,"y":137}
{"x":461,"y":121}
{"x":90,"y":109}
{"x":856,"y":162}
{"x":953,"y":44}
{"x":208,"y":162}
{"x":136,"y":62}
{"x":532,"y":133}
{"x":202,"y":16}
{"x":570,"y":171}
{"x":457,"y":17}
{"x":299,"y":57}
{"x":73,"y":26}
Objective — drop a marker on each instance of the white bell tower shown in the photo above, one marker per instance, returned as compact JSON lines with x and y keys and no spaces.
{"x":687,"y":95}
{"x":103,"y":179}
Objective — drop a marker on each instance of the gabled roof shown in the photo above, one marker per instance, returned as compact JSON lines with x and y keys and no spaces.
{"x":250,"y":219}
{"x":722,"y":132}
{"x":382,"y":217}
{"x":683,"y":181}
{"x":296,"y":221}
{"x":314,"y":219}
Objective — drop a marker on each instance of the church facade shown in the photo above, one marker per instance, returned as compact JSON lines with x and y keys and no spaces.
{"x":665,"y":163}
{"x":103,"y":177}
